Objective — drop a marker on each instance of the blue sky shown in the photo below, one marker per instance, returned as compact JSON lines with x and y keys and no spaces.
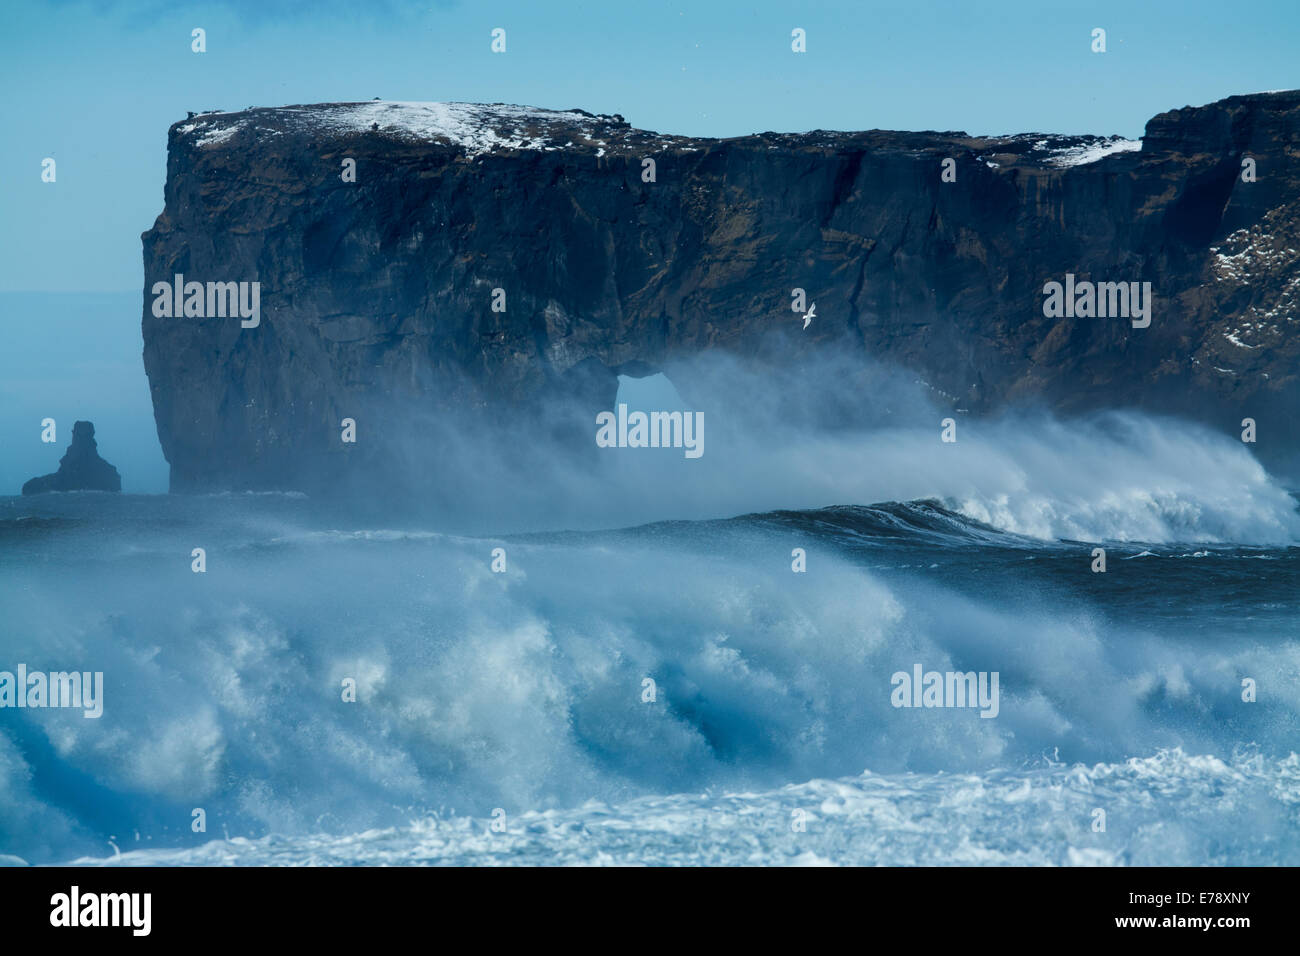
{"x":95,"y":85}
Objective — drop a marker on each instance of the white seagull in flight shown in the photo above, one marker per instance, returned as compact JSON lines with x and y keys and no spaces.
{"x":812,"y":313}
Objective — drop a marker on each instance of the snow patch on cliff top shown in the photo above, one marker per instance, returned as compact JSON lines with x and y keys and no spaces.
{"x":1082,"y":155}
{"x":211,"y":132}
{"x":476,"y":127}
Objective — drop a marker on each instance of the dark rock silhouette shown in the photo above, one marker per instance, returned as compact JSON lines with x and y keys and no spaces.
{"x":378,"y":292}
{"x":80,"y":469}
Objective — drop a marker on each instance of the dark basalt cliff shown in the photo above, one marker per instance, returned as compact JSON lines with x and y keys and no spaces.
{"x":382,"y":289}
{"x":80,"y":468}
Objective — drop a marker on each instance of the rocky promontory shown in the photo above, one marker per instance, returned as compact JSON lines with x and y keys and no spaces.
{"x":456,"y":256}
{"x":80,"y":468}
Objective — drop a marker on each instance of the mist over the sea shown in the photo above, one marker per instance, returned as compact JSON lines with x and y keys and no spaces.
{"x":523,"y":690}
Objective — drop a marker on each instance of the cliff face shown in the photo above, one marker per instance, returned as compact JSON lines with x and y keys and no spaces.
{"x":382,"y":288}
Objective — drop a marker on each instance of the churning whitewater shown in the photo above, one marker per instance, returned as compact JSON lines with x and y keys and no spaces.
{"x":675,"y":692}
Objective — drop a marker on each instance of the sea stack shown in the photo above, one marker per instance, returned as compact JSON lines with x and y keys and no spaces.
{"x":80,"y":469}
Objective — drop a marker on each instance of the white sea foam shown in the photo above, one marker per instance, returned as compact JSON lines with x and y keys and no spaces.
{"x":1166,"y":810}
{"x":523,"y":690}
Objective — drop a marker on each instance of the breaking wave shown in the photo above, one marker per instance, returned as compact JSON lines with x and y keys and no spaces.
{"x":869,"y":820}
{"x":524,"y":690}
